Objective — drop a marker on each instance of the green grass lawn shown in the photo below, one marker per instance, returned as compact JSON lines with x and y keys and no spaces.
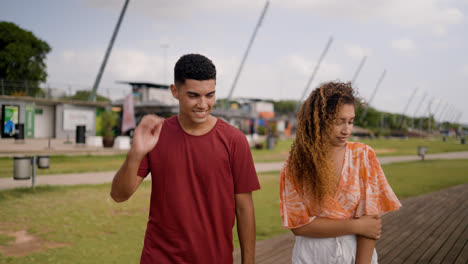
{"x":383,"y":147}
{"x":69,"y":164}
{"x":94,"y":229}
{"x":403,"y":147}
{"x":419,"y":177}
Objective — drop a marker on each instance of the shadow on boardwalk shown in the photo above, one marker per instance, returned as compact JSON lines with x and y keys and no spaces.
{"x":430,"y":228}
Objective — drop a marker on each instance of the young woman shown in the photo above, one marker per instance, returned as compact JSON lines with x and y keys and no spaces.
{"x":332,"y":192}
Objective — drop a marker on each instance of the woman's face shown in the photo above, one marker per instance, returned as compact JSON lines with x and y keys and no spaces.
{"x":343,"y":125}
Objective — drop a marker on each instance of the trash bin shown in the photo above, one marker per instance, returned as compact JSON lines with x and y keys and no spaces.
{"x":43,"y":162}
{"x":21,"y":168}
{"x":19,"y":135}
{"x":270,"y":142}
{"x":462,"y":140}
{"x":80,"y":134}
{"x":422,"y":150}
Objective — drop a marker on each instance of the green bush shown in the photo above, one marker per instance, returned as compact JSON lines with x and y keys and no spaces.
{"x":108,"y":121}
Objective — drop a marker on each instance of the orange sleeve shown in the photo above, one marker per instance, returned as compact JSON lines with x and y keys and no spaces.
{"x":377,"y":196}
{"x":294,"y":213}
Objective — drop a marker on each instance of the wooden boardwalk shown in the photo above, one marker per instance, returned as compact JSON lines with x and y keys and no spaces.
{"x":431,"y":228}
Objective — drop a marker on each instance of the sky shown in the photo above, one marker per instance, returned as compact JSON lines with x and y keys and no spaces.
{"x":421,"y":44}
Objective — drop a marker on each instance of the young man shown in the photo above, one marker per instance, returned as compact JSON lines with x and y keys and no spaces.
{"x":202,"y":176}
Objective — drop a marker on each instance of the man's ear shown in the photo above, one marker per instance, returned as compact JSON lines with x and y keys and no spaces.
{"x":174,"y":91}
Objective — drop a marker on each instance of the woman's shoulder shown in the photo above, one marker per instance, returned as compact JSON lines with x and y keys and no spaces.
{"x":358,"y":146}
{"x":361,"y":152}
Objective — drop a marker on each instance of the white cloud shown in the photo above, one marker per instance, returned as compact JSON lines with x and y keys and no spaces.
{"x":435,"y":16}
{"x":282,"y":78}
{"x":305,"y":67}
{"x":356,"y":52}
{"x":403,"y":45}
{"x":79,"y":68}
{"x":171,"y":10}
{"x":464,"y":69}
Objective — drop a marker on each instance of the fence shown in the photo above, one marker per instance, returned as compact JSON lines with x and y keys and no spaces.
{"x":56,"y":90}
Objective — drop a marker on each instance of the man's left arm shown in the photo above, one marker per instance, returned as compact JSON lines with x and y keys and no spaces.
{"x":245,"y":216}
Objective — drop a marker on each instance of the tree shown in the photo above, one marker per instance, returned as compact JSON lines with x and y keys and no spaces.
{"x":84,"y":94}
{"x":22,"y":58}
{"x":285,"y":106}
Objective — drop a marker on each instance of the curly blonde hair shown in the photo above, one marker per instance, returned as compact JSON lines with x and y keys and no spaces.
{"x":309,"y":165}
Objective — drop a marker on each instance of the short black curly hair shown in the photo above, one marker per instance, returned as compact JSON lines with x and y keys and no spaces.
{"x":195,"y":67}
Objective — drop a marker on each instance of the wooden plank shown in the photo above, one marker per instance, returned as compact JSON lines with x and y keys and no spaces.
{"x":439,"y":236}
{"x":418,"y":246}
{"x":463,"y":257}
{"x":277,"y":251}
{"x":411,"y":207}
{"x":423,"y":204}
{"x":455,"y":251}
{"x":414,"y":233}
{"x":450,"y":241}
{"x":412,"y":230}
{"x":277,"y":256}
{"x":411,"y":234}
{"x":394,"y":231}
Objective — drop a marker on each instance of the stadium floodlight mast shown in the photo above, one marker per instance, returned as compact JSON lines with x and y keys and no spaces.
{"x":417,"y":108}
{"x":454,"y":116}
{"x":92,"y":95}
{"x":437,"y":109}
{"x":317,"y":67}
{"x":429,"y":113}
{"x":400,"y":121}
{"x":373,"y":95}
{"x":442,"y":111}
{"x":448,"y":113}
{"x":459,"y":117}
{"x":165,"y":46}
{"x":259,"y":23}
{"x":443,"y":118}
{"x":356,"y":74}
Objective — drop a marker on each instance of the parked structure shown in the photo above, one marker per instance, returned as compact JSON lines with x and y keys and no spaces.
{"x":48,"y":118}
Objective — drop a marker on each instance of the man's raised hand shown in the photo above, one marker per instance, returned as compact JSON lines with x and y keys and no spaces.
{"x":146,"y":135}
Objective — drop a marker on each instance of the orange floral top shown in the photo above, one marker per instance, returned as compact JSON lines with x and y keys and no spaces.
{"x":362,"y":190}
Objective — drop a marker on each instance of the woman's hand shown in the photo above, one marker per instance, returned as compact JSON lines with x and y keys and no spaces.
{"x":369,"y":226}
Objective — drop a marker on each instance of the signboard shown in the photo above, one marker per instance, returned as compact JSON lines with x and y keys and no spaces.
{"x":10,"y":117}
{"x":29,"y":122}
{"x":75,"y":117}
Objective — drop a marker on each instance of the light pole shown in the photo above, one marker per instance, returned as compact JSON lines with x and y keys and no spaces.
{"x":165,"y":46}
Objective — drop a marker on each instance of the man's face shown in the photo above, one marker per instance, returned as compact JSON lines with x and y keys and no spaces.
{"x":343,"y":125}
{"x":196,"y":100}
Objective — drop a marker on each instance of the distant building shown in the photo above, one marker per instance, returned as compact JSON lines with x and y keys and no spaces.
{"x":48,"y":118}
{"x":54,"y":92}
{"x":246,"y":114}
{"x":144,"y":92}
{"x":256,"y":108}
{"x":151,"y":98}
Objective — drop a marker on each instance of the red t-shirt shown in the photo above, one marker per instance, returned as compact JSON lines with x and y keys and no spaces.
{"x":194,"y":179}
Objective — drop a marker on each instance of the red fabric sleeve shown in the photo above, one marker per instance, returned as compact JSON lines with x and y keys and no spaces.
{"x":144,"y":169}
{"x":242,"y":165}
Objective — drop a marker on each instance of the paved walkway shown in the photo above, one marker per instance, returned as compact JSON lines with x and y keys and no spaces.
{"x":431,"y":228}
{"x":54,"y":146}
{"x":103,"y":177}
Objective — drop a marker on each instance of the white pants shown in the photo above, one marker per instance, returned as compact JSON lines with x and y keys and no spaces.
{"x":337,"y":250}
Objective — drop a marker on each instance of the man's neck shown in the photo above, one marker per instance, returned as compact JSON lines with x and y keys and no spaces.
{"x":197,"y":129}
